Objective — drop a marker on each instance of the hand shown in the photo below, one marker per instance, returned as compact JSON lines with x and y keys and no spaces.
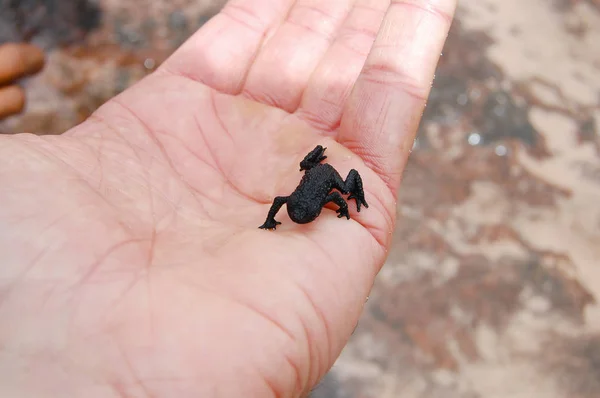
{"x":16,"y":62}
{"x":132,"y":264}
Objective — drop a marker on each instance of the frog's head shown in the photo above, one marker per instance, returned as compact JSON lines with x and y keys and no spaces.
{"x":313,"y":158}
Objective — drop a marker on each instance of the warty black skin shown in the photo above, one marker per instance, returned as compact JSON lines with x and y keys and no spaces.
{"x":315,"y":191}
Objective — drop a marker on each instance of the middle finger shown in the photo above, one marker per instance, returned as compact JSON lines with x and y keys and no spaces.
{"x":283,"y":68}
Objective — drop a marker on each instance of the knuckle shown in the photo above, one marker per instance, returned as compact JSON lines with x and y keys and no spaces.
{"x":391,"y":74}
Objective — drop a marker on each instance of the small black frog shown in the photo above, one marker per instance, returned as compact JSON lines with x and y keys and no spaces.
{"x":314,"y":191}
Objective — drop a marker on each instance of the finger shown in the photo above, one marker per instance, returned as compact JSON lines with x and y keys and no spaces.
{"x":284,"y":66}
{"x":331,"y":83}
{"x":19,"y":60}
{"x":383,"y":112}
{"x":12,"y":101}
{"x":221,"y":52}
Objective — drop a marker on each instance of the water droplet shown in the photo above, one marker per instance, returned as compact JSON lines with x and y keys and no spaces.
{"x":149,"y":63}
{"x":474,"y":139}
{"x":415,"y":144}
{"x":501,"y":150}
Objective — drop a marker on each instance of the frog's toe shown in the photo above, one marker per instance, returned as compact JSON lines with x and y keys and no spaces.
{"x":360,"y":200}
{"x":343,"y":212}
{"x":270,"y":224}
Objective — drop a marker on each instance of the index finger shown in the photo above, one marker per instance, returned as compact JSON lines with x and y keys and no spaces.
{"x":19,"y":60}
{"x":383,"y":112}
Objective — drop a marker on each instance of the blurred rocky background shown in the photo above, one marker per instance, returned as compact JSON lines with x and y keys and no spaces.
{"x":491,"y":289}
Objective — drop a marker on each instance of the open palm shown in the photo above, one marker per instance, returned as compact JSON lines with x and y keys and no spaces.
{"x":132,"y":261}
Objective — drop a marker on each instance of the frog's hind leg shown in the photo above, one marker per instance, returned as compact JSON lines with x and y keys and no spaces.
{"x":270,"y":223}
{"x":336,"y":198}
{"x":354,"y":186}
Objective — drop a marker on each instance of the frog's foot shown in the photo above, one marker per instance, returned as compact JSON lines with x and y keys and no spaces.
{"x":336,"y":198}
{"x":354,"y":186}
{"x":270,"y":224}
{"x":343,"y":212}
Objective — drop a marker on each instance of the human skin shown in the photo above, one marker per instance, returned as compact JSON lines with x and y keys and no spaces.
{"x":132,"y":263}
{"x":17,"y":60}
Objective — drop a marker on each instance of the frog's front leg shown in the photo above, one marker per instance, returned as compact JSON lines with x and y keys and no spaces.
{"x":336,"y":198}
{"x":270,"y":223}
{"x":353,"y":185}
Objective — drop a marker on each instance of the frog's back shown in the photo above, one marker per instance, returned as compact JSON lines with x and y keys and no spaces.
{"x":317,"y":181}
{"x":306,"y":202}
